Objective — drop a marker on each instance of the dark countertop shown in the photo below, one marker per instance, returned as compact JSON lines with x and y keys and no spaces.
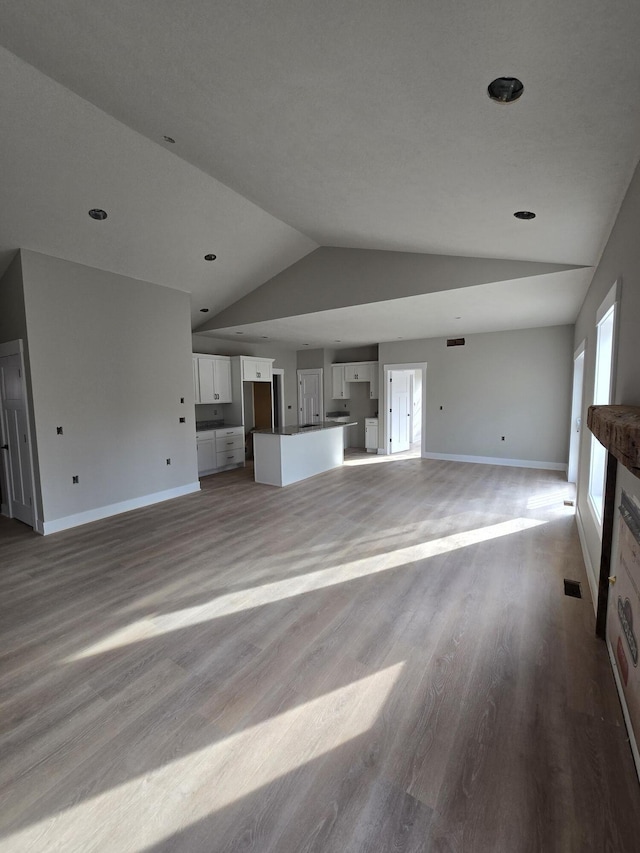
{"x":301,"y":430}
{"x":203,"y":426}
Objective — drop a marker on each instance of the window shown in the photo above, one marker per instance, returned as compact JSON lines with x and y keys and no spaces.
{"x":602,"y":392}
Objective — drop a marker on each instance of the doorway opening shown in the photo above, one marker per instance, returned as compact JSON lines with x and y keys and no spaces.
{"x":277,"y":391}
{"x":404,"y":423}
{"x":16,"y":465}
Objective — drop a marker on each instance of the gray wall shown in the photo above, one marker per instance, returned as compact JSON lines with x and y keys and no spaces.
{"x":13,"y":321}
{"x":284,"y":359}
{"x":516,"y":384}
{"x":358,"y":404}
{"x":110,"y":359}
{"x":620,"y":260}
{"x":333,"y":277}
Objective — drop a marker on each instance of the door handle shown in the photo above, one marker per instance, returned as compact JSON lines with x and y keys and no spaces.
{"x":4,"y":447}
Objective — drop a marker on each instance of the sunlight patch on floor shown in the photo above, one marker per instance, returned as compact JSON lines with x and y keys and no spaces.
{"x":301,"y":584}
{"x":552,"y":498}
{"x":205,"y":781}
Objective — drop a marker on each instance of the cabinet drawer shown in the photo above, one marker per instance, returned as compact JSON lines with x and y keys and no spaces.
{"x":229,"y":442}
{"x":227,"y":432}
{"x":229,"y":457}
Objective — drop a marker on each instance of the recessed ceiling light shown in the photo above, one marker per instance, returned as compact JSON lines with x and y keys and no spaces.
{"x":524,"y":214}
{"x":305,"y":345}
{"x":337,"y":342}
{"x":97,"y":213}
{"x":239,"y":333}
{"x":169,"y":139}
{"x":265,"y":337}
{"x":210,"y":257}
{"x":205,"y":310}
{"x":457,"y":318}
{"x":505,"y":90}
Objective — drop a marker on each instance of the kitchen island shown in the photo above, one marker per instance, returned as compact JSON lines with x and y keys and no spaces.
{"x":290,"y":454}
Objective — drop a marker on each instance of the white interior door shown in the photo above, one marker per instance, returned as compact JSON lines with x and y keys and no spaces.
{"x":400,"y":410}
{"x":576,"y":417}
{"x":310,"y":396}
{"x":16,"y":448}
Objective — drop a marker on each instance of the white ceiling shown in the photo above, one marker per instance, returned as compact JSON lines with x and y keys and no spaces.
{"x":302,"y":123}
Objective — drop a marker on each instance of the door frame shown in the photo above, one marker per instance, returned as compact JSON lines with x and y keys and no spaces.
{"x":307,"y":372}
{"x":577,"y":396}
{"x":17,"y":348}
{"x":386,"y":420}
{"x":278,"y":375}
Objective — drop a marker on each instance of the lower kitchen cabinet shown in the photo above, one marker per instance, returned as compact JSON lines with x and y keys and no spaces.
{"x":371,"y":435}
{"x":219,"y":449}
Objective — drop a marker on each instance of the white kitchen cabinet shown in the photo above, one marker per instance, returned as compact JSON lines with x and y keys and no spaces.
{"x":371,"y":435}
{"x":257,"y":369}
{"x":206,"y":450}
{"x":373,"y":385}
{"x":219,"y":448}
{"x":212,"y":379}
{"x":357,"y":372}
{"x":339,"y":386}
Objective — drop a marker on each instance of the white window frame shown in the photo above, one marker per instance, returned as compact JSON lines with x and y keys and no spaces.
{"x":603,"y":394}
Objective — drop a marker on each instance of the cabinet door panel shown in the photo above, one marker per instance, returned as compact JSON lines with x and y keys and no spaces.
{"x":222,"y":381}
{"x":196,"y":381}
{"x":205,"y":376}
{"x":206,"y":455}
{"x":339,"y":388}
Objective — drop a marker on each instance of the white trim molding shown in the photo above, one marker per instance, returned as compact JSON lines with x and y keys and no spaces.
{"x":101,"y":512}
{"x":497,"y":460}
{"x":591,"y":576}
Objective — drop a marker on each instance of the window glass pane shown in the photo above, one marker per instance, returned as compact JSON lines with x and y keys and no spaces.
{"x":601,"y":396}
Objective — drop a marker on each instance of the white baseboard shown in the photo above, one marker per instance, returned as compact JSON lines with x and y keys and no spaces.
{"x":101,"y":512}
{"x":591,"y":576}
{"x":498,"y":460}
{"x":625,"y":710}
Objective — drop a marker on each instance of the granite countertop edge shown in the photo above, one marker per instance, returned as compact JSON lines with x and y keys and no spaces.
{"x":302,"y":430}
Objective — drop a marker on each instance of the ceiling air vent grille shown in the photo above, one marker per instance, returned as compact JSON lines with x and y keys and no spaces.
{"x":455,"y":342}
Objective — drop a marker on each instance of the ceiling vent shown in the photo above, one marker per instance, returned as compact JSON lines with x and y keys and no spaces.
{"x":455,"y":342}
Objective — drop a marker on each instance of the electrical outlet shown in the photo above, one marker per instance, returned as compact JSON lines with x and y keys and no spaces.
{"x":183,"y":420}
{"x":168,"y":461}
{"x":182,"y":401}
{"x":502,"y":439}
{"x":59,"y":430}
{"x":75,"y":478}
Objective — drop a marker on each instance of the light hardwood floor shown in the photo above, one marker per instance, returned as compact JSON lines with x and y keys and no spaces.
{"x":378,"y":659}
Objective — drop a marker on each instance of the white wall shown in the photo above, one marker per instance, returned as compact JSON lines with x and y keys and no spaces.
{"x":285,"y":359}
{"x":516,"y":384}
{"x":110,"y":359}
{"x":620,"y":261}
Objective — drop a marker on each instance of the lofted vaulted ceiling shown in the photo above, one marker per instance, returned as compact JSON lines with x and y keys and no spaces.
{"x":300,"y":124}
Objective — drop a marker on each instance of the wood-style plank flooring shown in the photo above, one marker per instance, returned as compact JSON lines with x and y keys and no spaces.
{"x":379,"y":659}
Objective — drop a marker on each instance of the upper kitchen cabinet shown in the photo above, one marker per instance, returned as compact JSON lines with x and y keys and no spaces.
{"x":360,"y":372}
{"x":373,"y":385}
{"x":340,"y":389}
{"x":212,"y":378}
{"x":256,"y":369}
